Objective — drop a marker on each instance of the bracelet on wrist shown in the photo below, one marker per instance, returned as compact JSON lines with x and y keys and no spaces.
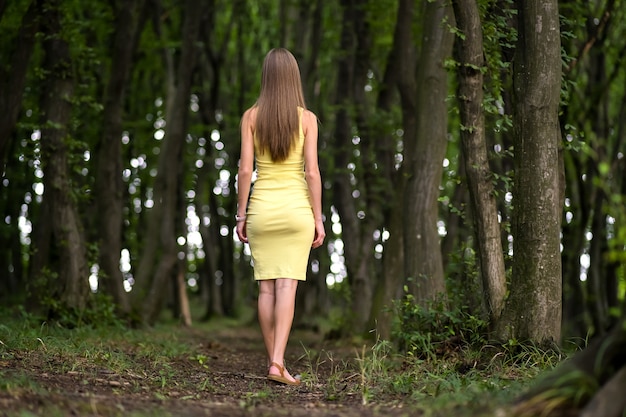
{"x":240,"y":218}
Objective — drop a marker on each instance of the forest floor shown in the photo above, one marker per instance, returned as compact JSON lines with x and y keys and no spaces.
{"x":220,"y":371}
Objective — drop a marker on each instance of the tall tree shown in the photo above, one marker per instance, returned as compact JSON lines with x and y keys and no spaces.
{"x":471,"y":64}
{"x":425,"y":140}
{"x":352,"y":68}
{"x":13,"y":76}
{"x":533,"y":309}
{"x":70,"y":269}
{"x":365,"y":150}
{"x":109,"y":183}
{"x":399,"y":75}
{"x":153,"y":277}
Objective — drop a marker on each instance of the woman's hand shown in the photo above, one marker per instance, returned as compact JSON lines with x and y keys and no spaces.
{"x":320,"y":234}
{"x":242,"y":232}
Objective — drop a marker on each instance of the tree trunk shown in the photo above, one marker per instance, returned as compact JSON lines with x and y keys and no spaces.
{"x":312,"y":298}
{"x":399,"y":61}
{"x":598,"y":291}
{"x":425,"y":148}
{"x":359,"y":244}
{"x":377,"y":164}
{"x":163,"y":219}
{"x":71,"y":287}
{"x":211,"y":66}
{"x":12,"y":277}
{"x":109,"y":184}
{"x":205,"y":208}
{"x":574,"y":320}
{"x":13,"y":79}
{"x":533,"y":310}
{"x":183,"y":299}
{"x":485,"y":214}
{"x":41,"y":245}
{"x":459,"y":229}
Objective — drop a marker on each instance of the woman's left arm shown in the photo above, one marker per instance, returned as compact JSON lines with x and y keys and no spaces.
{"x":312,"y":174}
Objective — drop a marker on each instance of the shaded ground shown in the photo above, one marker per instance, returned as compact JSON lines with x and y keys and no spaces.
{"x":223,"y":376}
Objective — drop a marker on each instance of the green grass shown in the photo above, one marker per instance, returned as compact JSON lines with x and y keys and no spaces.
{"x":460,"y":381}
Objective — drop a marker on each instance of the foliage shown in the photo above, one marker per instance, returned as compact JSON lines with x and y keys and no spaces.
{"x":234,"y":38}
{"x":101,"y":311}
{"x":427,"y":332}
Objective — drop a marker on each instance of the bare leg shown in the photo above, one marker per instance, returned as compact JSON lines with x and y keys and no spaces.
{"x":284,"y":307}
{"x":266,"y":303}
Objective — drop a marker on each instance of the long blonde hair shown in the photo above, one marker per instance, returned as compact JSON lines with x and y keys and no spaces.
{"x":277,"y":120}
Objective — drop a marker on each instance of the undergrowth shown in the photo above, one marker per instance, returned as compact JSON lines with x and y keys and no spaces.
{"x":439,"y":356}
{"x":438,"y":361}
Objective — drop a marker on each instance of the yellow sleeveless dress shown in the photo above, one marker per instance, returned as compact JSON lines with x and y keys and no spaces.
{"x":280,"y":222}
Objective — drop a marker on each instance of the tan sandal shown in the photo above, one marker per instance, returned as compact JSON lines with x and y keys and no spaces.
{"x":281,"y":378}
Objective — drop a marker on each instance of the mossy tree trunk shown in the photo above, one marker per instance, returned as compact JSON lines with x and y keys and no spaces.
{"x":68,"y":287}
{"x":533,"y":309}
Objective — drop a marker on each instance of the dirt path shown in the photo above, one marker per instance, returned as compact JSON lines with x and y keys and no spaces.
{"x":225,"y":377}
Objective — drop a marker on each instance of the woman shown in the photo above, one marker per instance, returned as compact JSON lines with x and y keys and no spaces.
{"x":283,"y":220}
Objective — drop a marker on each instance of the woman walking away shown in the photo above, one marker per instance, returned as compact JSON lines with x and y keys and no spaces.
{"x":284,"y":214}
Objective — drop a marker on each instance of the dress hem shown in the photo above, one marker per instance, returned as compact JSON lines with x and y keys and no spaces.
{"x":280,"y":277}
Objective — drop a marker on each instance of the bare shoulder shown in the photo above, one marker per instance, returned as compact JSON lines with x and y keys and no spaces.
{"x":249,"y":116}
{"x":309,"y":118}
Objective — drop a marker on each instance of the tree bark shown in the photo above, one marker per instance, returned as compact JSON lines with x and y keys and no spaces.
{"x":211,"y":70}
{"x":162,"y":221}
{"x":12,"y":269}
{"x":109,"y":183}
{"x":377,"y":166}
{"x":357,"y":228}
{"x":597,"y":288}
{"x":425,"y":140}
{"x":342,"y":189}
{"x":183,"y":299}
{"x":485,"y":214}
{"x":210,"y":290}
{"x":575,"y":320}
{"x":400,"y":60}
{"x":72,"y":288}
{"x":598,"y":282}
{"x":533,"y":310}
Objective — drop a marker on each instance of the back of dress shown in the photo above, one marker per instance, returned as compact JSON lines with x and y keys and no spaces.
{"x":280,"y":222}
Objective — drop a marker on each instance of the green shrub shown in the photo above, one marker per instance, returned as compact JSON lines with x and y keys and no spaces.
{"x":430,"y":331}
